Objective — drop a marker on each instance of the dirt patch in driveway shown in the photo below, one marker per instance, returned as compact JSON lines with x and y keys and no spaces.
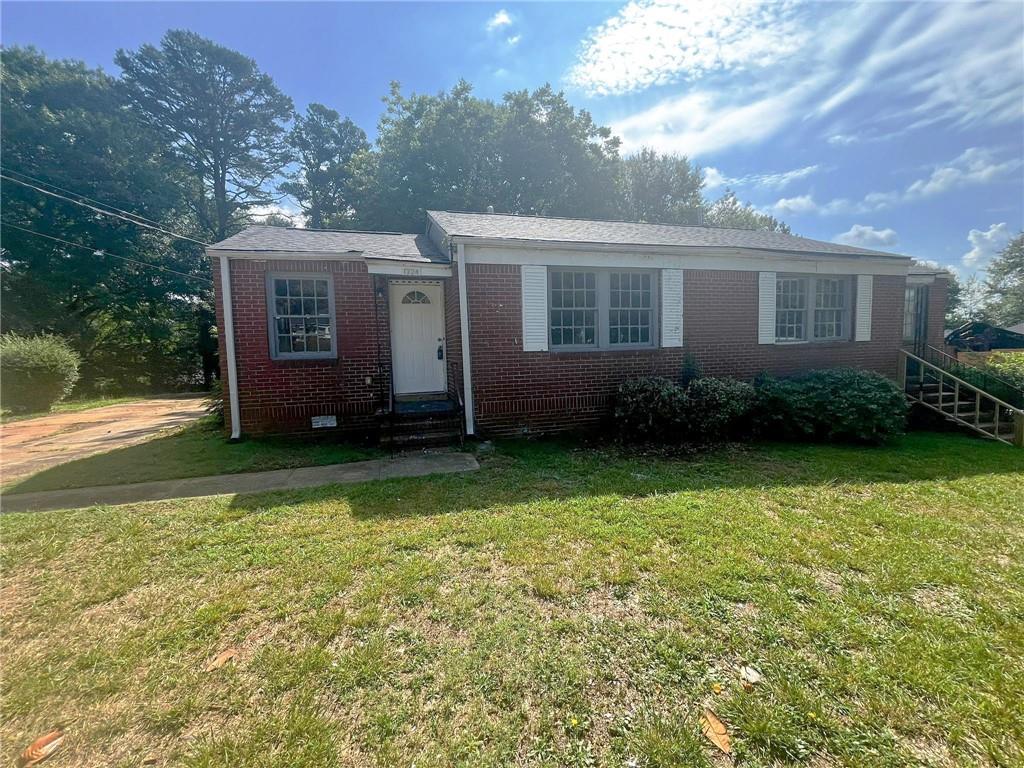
{"x":32,"y":445}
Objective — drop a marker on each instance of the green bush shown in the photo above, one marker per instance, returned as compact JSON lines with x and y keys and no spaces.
{"x":839,"y":404}
{"x":213,"y":403}
{"x":717,"y":409}
{"x":35,"y":371}
{"x":1008,"y":366}
{"x":649,"y":410}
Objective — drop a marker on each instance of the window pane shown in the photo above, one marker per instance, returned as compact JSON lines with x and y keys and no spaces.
{"x":631,"y":312}
{"x":829,"y":308}
{"x":280,"y":287}
{"x":791,"y":308}
{"x":295,"y":287}
{"x":572,"y":315}
{"x":302,"y":315}
{"x":321,"y":288}
{"x":284,"y":343}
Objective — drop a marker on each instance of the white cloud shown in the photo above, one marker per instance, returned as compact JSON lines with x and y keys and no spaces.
{"x":260,"y":212}
{"x":513,"y":40}
{"x":866,"y":236}
{"x":701,"y":122}
{"x":975,"y":166}
{"x":757,"y":69}
{"x":789,"y":206}
{"x":713,"y":178}
{"x":655,"y":42}
{"x":985,"y":244}
{"x":498,"y":20}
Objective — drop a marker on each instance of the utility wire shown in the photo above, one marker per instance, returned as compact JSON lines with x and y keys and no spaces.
{"x":104,"y":212}
{"x":108,"y":253}
{"x":78,"y":194}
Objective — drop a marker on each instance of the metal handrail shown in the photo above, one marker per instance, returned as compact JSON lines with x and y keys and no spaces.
{"x":962,"y":382}
{"x":955,"y":361}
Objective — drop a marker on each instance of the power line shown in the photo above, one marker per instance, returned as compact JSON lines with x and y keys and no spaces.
{"x":104,"y":212}
{"x":108,"y":253}
{"x":78,"y":194}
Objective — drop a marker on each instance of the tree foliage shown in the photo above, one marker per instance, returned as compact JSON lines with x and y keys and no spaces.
{"x":324,"y":145}
{"x":222,"y":117}
{"x":662,"y":189}
{"x":1005,"y":284}
{"x":728,"y":211}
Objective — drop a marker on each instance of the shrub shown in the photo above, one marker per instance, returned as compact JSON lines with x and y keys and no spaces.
{"x":837,"y":404}
{"x":649,"y":410}
{"x":718,"y":408}
{"x":1009,"y":366}
{"x":35,"y":371}
{"x":691,"y":370}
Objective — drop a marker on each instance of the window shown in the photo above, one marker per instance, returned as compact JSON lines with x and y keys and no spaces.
{"x":796,"y":296}
{"x":601,"y":309}
{"x":573,"y":308}
{"x":301,"y":317}
{"x":830,"y":308}
{"x":913,"y":317}
{"x":415,"y":297}
{"x":630,"y":308}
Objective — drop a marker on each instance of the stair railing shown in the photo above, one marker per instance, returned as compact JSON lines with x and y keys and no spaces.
{"x":930,"y":385}
{"x":979,"y":377}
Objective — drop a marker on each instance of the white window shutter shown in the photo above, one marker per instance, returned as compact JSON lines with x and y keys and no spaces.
{"x":671,"y":307}
{"x":535,"y":308}
{"x":766,"y":308}
{"x":862,"y":327}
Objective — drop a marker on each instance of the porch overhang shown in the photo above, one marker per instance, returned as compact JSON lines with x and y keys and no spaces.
{"x":407,"y":267}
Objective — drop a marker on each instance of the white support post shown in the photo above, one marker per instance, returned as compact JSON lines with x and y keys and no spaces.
{"x":467,"y":374}
{"x":229,"y":347}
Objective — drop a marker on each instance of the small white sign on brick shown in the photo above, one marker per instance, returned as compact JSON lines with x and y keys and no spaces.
{"x":319,"y":422}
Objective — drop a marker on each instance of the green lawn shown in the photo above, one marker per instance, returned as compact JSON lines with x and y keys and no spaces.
{"x":562,"y":606}
{"x":192,"y":451}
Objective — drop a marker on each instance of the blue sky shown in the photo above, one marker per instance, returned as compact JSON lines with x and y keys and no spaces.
{"x":898,"y":126}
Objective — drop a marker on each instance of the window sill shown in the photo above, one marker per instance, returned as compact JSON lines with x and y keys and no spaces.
{"x":298,"y":362}
{"x":600,"y":350}
{"x":812,"y":343}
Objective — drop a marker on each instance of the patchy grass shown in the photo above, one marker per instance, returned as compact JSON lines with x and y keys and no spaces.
{"x":560,"y":607}
{"x":71,"y":406}
{"x":194,"y":450}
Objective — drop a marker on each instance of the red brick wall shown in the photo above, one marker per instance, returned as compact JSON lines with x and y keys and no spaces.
{"x":282,"y":395}
{"x":518,"y":391}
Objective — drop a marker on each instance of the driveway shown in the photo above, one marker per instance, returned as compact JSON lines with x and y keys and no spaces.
{"x":32,"y":445}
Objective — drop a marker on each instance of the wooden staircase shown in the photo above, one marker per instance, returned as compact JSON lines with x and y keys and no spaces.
{"x":933,"y":382}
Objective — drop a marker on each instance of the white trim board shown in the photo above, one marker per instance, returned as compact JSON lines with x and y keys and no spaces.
{"x":738,"y":261}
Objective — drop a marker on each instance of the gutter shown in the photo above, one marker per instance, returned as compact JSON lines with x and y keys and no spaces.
{"x":467,"y":373}
{"x":229,"y":346}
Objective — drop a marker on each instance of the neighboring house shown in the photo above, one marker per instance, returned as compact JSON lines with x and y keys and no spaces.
{"x":532,"y":323}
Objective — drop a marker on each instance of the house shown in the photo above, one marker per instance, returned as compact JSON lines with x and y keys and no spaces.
{"x":528,"y":324}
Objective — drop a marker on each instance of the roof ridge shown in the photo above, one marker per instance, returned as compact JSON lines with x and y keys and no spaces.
{"x":604,"y":221}
{"x":340,"y":231}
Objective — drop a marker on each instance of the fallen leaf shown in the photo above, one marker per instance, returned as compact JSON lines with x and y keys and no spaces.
{"x":221,"y":659}
{"x":715,"y":731}
{"x":749,"y":677}
{"x":40,"y":749}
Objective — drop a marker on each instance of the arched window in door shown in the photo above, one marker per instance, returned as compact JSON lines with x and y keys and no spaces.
{"x":415,"y":297}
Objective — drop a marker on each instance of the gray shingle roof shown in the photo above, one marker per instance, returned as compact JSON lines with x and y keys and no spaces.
{"x":509,"y":227}
{"x":382,"y":245}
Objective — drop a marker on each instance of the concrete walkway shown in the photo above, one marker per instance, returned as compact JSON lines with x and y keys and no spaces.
{"x":251,"y":482}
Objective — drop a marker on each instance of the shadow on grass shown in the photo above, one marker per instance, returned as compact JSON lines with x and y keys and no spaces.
{"x":196,"y":450}
{"x":521,"y":472}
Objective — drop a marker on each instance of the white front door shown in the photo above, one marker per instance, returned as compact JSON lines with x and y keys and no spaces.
{"x":417,"y":337}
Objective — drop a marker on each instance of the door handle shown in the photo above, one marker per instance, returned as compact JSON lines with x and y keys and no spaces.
{"x":440,"y":351}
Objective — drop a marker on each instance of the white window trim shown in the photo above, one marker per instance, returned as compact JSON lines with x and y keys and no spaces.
{"x":602,"y":283}
{"x":272,"y":316}
{"x":809,"y":337}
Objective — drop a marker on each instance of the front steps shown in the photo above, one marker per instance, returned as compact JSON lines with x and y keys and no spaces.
{"x":422,"y":423}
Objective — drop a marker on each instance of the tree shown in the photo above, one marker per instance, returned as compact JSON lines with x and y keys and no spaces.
{"x":133,"y":321}
{"x":554,"y":160}
{"x":1005,"y":284}
{"x":324,"y":145}
{"x":432,"y":152}
{"x":221,"y":116}
{"x":728,"y":211}
{"x":664,"y":189}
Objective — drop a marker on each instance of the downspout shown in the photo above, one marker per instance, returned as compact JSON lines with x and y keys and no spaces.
{"x":229,"y":347}
{"x":467,"y":374}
